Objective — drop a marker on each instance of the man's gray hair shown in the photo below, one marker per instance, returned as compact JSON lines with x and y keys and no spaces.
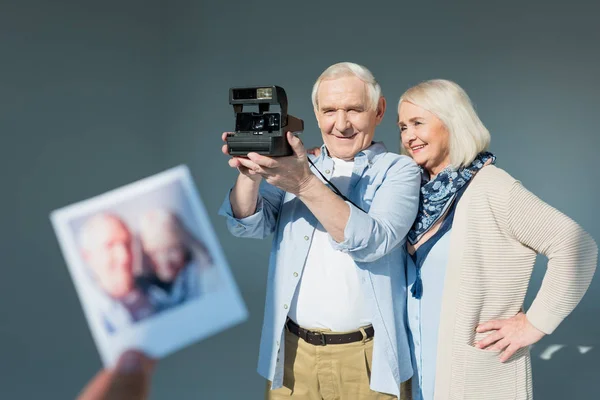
{"x":344,"y":69}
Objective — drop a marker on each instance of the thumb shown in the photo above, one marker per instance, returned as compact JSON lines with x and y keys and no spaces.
{"x":296,"y":145}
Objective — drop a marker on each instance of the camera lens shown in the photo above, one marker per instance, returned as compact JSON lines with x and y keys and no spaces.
{"x":259,"y":123}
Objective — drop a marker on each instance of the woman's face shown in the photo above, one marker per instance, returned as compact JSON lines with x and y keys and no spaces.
{"x":167,"y":256}
{"x":424,"y":137}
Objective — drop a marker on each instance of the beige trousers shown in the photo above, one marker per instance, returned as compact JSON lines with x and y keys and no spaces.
{"x":331,"y":372}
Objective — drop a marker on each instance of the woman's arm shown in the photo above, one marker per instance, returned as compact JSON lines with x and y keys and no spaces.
{"x":572,"y":258}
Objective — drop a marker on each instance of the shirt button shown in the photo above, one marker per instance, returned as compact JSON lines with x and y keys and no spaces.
{"x":240,"y":225}
{"x":285,"y":306}
{"x":296,"y":274}
{"x":306,"y":237}
{"x":277,"y":342}
{"x":327,"y":171}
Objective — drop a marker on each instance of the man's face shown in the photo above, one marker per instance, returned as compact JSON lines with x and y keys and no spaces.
{"x":345,"y":117}
{"x":110,"y":257}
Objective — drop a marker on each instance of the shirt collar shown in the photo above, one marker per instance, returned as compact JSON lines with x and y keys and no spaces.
{"x":370,"y":153}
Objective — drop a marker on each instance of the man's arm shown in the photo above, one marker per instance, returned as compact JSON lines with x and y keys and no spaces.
{"x":365,"y":236}
{"x":244,"y":196}
{"x":251,"y":206}
{"x":292,"y":174}
{"x":331,"y":211}
{"x":370,"y":236}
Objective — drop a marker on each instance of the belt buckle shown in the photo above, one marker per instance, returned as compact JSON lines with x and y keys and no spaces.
{"x":321,"y":338}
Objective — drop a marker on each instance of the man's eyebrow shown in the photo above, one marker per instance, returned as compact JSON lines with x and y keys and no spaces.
{"x":356,"y":106}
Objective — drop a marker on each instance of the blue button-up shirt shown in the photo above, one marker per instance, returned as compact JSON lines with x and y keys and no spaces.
{"x":386,"y":186}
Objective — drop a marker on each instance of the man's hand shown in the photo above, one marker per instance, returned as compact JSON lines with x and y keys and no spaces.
{"x":291,"y":174}
{"x":129,"y":380}
{"x":235,"y":162}
{"x":509,"y":335}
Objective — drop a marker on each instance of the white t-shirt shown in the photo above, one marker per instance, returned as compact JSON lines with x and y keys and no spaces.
{"x":329,"y":294}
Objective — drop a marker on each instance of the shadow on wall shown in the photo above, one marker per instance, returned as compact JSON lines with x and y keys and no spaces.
{"x":566,"y":370}
{"x":565,"y":364}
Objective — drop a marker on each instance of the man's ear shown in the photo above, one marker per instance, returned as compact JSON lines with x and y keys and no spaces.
{"x":317,"y":117}
{"x":381,"y":107}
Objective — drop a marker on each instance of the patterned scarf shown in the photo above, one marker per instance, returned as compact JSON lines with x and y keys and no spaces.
{"x":437,"y":194}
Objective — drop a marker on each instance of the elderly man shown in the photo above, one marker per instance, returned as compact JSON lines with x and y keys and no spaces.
{"x":106,"y":244}
{"x":334,"y":315}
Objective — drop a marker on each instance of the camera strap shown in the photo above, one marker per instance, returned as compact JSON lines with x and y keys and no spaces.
{"x":335,"y":189}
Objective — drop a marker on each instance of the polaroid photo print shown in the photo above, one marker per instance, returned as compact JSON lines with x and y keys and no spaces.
{"x":147,"y":267}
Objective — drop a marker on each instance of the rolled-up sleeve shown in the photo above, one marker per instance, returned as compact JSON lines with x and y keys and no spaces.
{"x":370,"y":236}
{"x":260,"y":224}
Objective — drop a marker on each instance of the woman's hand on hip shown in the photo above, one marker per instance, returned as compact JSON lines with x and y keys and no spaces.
{"x":509,"y":335}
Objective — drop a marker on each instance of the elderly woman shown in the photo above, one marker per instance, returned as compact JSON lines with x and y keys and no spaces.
{"x":471,"y":253}
{"x":180,"y":265}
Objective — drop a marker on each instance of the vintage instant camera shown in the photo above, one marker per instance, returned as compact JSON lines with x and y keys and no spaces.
{"x":262,"y":132}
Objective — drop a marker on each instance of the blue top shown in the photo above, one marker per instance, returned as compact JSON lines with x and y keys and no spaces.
{"x":429,"y":263}
{"x":386,"y":186}
{"x":424,"y":316}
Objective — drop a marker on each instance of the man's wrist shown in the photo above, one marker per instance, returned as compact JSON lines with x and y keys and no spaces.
{"x":248,"y":181}
{"x":308,"y":186}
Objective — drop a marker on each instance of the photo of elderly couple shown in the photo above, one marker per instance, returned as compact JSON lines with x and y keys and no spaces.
{"x":147,"y":267}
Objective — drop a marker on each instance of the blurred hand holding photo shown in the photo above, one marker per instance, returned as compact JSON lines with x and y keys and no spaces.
{"x":130,"y":379}
{"x":147,"y":266}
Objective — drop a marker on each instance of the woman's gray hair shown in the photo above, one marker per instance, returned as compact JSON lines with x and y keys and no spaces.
{"x":350,"y":69}
{"x":451,"y":104}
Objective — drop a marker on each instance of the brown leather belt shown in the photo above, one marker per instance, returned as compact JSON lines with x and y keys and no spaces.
{"x":321,"y":339}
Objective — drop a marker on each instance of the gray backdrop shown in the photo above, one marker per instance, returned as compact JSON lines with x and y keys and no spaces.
{"x":95,"y":95}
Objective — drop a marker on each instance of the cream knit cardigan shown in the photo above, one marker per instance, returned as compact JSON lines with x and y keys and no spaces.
{"x":497,"y":230}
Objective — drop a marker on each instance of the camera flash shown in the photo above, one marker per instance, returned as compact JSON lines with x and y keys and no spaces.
{"x":264,"y":93}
